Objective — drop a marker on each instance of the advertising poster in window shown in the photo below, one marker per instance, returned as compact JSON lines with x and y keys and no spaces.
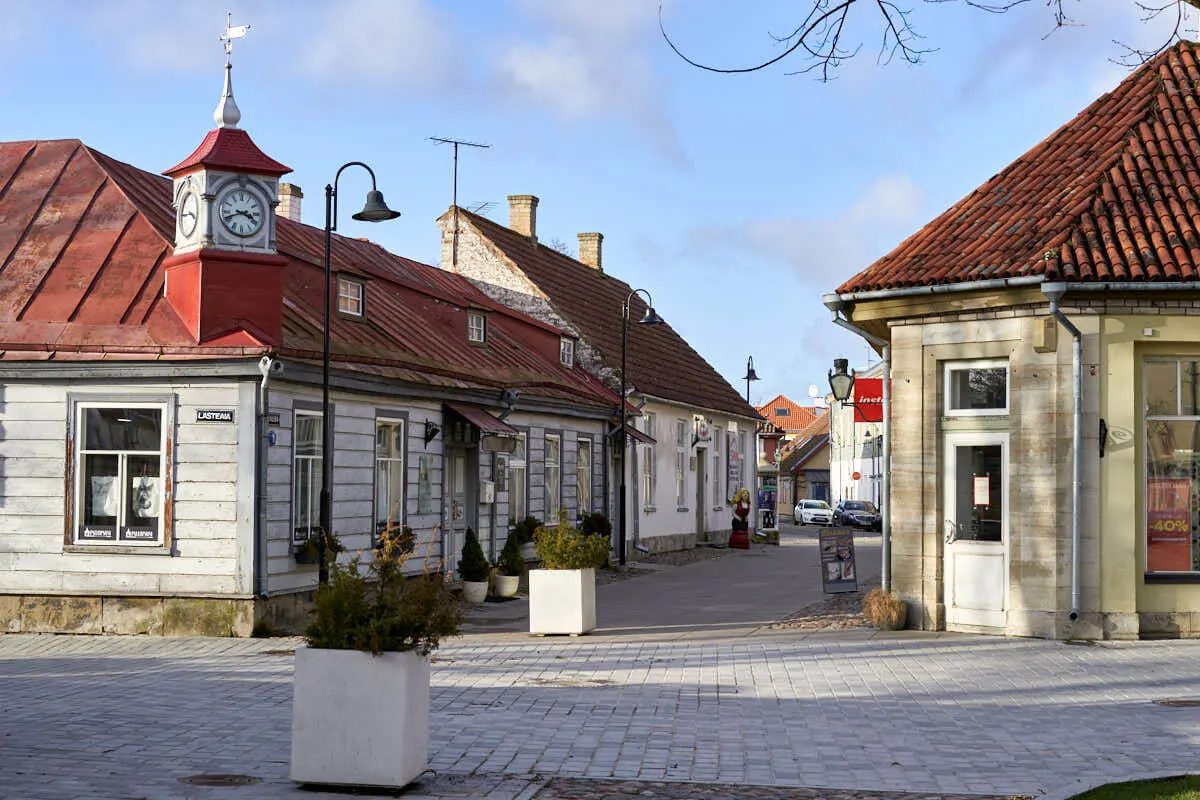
{"x":1168,"y":525}
{"x":838,"y":573}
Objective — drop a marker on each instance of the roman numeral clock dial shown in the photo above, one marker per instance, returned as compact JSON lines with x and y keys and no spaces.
{"x":241,"y":212}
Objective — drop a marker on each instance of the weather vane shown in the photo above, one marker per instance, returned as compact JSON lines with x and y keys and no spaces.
{"x":232,"y":32}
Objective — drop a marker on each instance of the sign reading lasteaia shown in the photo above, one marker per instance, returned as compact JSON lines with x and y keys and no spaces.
{"x":214,"y":415}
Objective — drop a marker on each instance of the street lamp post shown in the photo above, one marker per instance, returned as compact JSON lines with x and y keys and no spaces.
{"x":374,"y":210}
{"x":651,"y":317}
{"x":751,"y":375}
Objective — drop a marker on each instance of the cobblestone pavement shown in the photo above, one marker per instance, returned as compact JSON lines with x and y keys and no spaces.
{"x":516,"y":719}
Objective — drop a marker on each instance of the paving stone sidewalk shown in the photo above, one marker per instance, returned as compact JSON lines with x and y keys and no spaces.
{"x":517,"y":719}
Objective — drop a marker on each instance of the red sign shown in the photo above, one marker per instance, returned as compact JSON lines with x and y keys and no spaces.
{"x":868,"y":399}
{"x":1168,"y":525}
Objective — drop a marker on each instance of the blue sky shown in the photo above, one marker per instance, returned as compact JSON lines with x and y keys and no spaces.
{"x":737,"y":201}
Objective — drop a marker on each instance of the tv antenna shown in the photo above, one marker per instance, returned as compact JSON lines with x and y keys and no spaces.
{"x":454,"y":195}
{"x":482,"y":208}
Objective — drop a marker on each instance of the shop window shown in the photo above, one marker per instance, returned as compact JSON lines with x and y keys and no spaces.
{"x":976,"y":388}
{"x":716,"y":467}
{"x":306,"y":475}
{"x":476,"y":327}
{"x":566,"y":351}
{"x":518,"y":501}
{"x":1172,"y":402}
{"x":120,"y":493}
{"x":649,"y":463}
{"x":583,"y":476}
{"x":553,"y":477}
{"x":389,"y":474}
{"x":350,"y":296}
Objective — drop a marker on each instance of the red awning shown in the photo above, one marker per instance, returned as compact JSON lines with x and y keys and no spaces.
{"x":638,"y":436}
{"x":483,"y":420}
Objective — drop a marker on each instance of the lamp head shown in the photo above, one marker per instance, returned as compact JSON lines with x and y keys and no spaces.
{"x":375,"y":210}
{"x":651,"y":317}
{"x":841,"y":382}
{"x":751,"y":375}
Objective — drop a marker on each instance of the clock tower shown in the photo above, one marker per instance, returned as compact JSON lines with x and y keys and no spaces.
{"x":225,"y":279}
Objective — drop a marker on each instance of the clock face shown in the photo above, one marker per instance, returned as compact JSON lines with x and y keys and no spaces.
{"x":241,"y":211}
{"x":189,"y":213}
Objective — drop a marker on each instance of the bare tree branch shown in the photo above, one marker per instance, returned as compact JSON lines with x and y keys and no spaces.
{"x":819,"y":39}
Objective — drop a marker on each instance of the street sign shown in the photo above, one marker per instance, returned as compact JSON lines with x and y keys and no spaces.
{"x":838,"y":571}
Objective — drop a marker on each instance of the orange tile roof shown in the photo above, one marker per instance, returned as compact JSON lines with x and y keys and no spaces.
{"x":795,"y":418}
{"x":1110,"y":196}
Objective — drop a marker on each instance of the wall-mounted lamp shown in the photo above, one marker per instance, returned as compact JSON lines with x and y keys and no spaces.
{"x":431,"y":430}
{"x":841,"y":382}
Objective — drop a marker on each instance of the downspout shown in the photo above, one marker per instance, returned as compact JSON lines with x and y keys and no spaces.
{"x":837,"y":307}
{"x":267,"y":366}
{"x":1054,"y":292}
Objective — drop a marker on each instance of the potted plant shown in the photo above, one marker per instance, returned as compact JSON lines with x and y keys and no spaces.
{"x":361,"y":687}
{"x":596,"y":524}
{"x":562,"y":595}
{"x":509,"y":568}
{"x":524,"y":531}
{"x":740,"y":535}
{"x":474,"y":569}
{"x":885,"y":610}
{"x":308,"y":551}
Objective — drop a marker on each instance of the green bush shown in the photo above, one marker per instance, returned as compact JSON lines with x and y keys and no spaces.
{"x":473,"y":566}
{"x":511,"y":562}
{"x":596,"y":524}
{"x":564,"y":547}
{"x":525,"y":529}
{"x":383,"y":610}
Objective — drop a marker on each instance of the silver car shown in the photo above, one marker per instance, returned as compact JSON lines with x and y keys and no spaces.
{"x":812,"y":512}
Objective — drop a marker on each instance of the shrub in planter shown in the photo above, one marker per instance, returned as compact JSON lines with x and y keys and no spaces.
{"x":564,"y":547}
{"x":596,"y":524}
{"x":509,"y":568}
{"x":364,"y":678}
{"x":474,"y":569}
{"x":562,"y":597}
{"x":523,"y":531}
{"x":309,"y":550}
{"x":884,"y":610}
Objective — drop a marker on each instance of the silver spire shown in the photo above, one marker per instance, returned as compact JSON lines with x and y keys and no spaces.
{"x":227,"y":114}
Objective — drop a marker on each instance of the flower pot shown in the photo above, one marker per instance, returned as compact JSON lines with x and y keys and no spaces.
{"x":359,"y":719}
{"x":475,"y":591}
{"x":506,"y":585}
{"x":562,"y":600}
{"x":529,"y":551}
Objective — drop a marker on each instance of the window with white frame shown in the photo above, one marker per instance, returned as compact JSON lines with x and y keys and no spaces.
{"x":518,"y":500}
{"x":649,"y":462}
{"x":389,"y":474}
{"x":476,"y":327}
{"x":681,"y":464}
{"x":350,"y":296}
{"x":716,"y":467}
{"x":976,"y":388}
{"x":566,"y":351}
{"x":583,"y":476}
{"x":1171,"y":391}
{"x":553,"y":476}
{"x":119,"y":469}
{"x":306,"y":475}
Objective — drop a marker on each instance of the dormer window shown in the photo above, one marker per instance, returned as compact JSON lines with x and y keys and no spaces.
{"x":566,"y":351}
{"x":350,"y":294}
{"x":476,"y":327}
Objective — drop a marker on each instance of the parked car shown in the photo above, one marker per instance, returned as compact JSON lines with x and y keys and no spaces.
{"x":858,"y":514}
{"x":812,"y":512}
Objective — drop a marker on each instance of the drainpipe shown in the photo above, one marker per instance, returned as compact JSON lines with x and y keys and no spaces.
{"x":267,"y":366}
{"x":1054,"y":292}
{"x":837,"y":307}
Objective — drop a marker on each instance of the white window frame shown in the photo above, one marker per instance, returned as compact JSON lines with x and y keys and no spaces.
{"x":649,"y":462}
{"x":951,"y":367}
{"x":165,"y":407}
{"x":351,"y":297}
{"x":583,"y":476}
{"x":566,"y":351}
{"x":553,"y":498}
{"x":1147,"y":418}
{"x":316,"y":477}
{"x":476,"y":327}
{"x":518,"y":502}
{"x":394,"y":505}
{"x":681,"y":464}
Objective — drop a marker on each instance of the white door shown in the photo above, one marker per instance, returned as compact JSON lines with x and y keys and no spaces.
{"x":976,"y":529}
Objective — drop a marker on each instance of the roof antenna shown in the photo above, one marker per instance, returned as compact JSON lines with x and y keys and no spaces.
{"x":227,"y":114}
{"x":454,"y":196}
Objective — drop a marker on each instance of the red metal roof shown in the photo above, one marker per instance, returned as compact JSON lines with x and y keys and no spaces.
{"x":660,"y":362}
{"x":229,"y":149}
{"x":1110,"y":196}
{"x":83,"y":238}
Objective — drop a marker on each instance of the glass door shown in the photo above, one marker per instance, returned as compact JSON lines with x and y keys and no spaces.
{"x":976,"y":529}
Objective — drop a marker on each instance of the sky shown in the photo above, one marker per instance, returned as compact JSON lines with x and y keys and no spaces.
{"x":737,"y":201}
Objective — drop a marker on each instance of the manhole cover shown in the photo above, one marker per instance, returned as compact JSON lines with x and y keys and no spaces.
{"x":220,"y":780}
{"x":1178,"y":703}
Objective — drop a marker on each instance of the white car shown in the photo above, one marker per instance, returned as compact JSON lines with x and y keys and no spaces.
{"x":812,"y":512}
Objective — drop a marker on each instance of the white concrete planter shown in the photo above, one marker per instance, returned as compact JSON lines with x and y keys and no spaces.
{"x":562,"y":600}
{"x":506,"y":585}
{"x":359,"y":719}
{"x":475,"y":591}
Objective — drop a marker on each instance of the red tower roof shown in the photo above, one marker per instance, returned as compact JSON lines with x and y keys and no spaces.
{"x":229,"y":149}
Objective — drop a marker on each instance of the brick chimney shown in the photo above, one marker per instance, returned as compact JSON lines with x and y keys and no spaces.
{"x":522,"y":214}
{"x":589,"y":250}
{"x":289,"y":201}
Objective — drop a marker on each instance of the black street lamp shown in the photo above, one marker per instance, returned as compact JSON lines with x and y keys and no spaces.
{"x":651,"y":317}
{"x":374,"y":210}
{"x":751,"y":375}
{"x":841,"y":382}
